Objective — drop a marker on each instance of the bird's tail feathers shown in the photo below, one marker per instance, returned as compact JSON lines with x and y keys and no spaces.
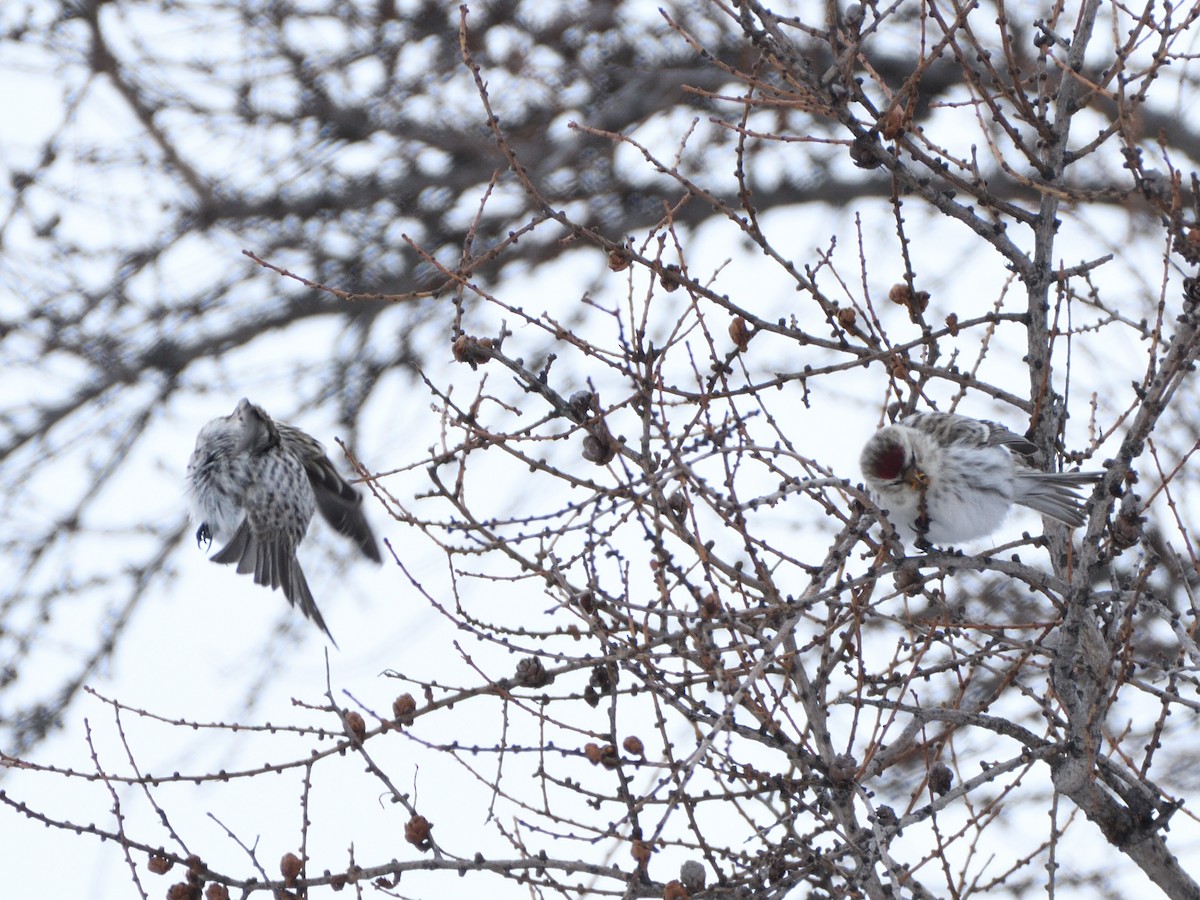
{"x":241,"y":549}
{"x":1055,"y":494}
{"x":295,"y":588}
{"x":274,"y":566}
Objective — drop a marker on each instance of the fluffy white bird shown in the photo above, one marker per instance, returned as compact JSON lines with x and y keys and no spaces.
{"x":947,"y":478}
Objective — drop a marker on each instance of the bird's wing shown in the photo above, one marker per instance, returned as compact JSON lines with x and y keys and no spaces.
{"x":339,"y":501}
{"x":999,"y":436}
{"x":242,"y":550}
{"x":341,"y":505}
{"x":951,"y":428}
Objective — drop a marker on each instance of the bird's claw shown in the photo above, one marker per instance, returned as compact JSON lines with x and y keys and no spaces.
{"x":203,"y":536}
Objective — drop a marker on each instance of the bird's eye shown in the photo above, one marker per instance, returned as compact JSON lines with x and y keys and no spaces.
{"x":890,"y":463}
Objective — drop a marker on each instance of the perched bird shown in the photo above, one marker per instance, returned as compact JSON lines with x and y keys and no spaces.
{"x":946,"y":478}
{"x":253,"y":485}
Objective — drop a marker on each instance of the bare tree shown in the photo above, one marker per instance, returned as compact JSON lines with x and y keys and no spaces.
{"x":704,"y":642}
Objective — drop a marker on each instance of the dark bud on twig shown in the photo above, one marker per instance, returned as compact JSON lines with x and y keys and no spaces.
{"x":289,"y":868}
{"x":582,"y":404}
{"x":599,"y":446}
{"x":865,"y":151}
{"x":914,"y":301}
{"x":670,"y":278}
{"x":603,"y":677}
{"x":600,"y":449}
{"x":472,"y":350}
{"x":897,"y":365}
{"x":403,"y":708}
{"x":843,"y":768}
{"x":618,"y":260}
{"x":940,"y":778}
{"x":159,"y":865}
{"x":356,"y":726}
{"x":886,"y":816}
{"x":1127,"y":526}
{"x":692,"y":874}
{"x":1126,"y":530}
{"x":602,"y":756}
{"x":531,"y":673}
{"x":677,"y":504}
{"x":417,"y":832}
{"x":893,"y":123}
{"x":1187,"y":245}
{"x":1191,"y":290}
{"x":908,"y":580}
{"x":740,"y":333}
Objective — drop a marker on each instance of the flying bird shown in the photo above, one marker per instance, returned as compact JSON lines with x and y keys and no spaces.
{"x":253,"y":485}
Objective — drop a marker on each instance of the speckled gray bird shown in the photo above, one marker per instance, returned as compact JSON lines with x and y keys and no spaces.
{"x":253,"y":485}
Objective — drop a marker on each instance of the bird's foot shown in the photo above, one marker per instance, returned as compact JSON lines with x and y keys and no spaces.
{"x":203,"y":536}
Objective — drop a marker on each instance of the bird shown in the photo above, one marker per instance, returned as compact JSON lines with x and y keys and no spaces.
{"x":948,"y":478}
{"x":253,"y":484}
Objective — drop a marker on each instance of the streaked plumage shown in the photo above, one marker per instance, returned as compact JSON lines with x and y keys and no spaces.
{"x":254,"y":484}
{"x":948,"y":478}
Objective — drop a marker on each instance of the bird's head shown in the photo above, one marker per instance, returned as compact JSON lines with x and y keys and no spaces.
{"x":886,"y":458}
{"x":257,"y":430}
